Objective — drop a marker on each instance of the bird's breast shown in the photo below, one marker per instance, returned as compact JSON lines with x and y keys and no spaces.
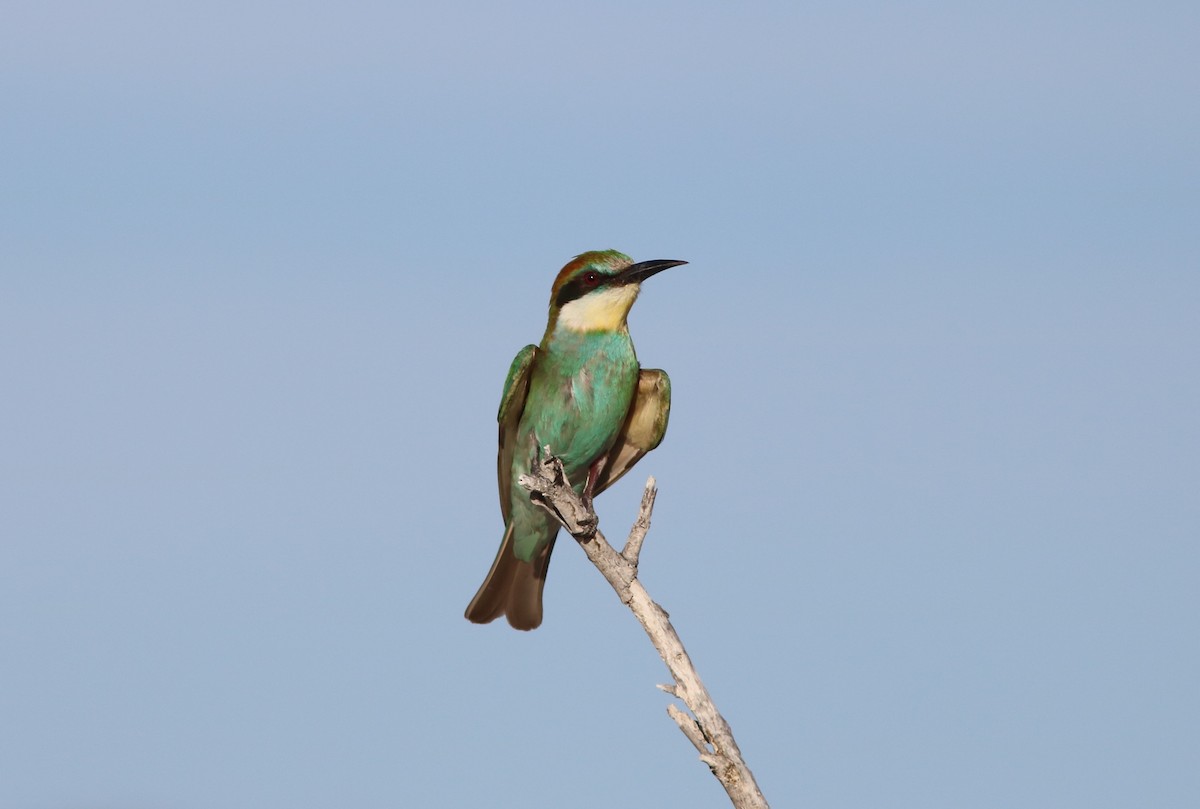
{"x":578,"y":402}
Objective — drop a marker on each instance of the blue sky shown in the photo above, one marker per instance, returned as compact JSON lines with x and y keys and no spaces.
{"x":928,"y":517}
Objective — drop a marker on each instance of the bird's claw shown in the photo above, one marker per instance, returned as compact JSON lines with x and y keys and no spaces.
{"x":587,"y":524}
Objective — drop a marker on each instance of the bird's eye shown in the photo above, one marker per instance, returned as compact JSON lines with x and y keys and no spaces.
{"x":590,"y":278}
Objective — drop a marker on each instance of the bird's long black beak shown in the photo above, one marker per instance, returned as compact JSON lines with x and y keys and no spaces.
{"x":636,"y":273}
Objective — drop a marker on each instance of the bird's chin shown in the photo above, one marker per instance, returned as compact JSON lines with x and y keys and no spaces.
{"x":603,"y":310}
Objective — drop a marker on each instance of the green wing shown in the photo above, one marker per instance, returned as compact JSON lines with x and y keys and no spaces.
{"x":512,"y":403}
{"x":644,"y":427}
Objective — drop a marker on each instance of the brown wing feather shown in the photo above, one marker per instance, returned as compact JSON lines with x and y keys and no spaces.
{"x":644,"y":427}
{"x":512,"y":404}
{"x":512,"y":587}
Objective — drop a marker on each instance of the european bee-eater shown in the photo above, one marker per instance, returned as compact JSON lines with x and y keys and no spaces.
{"x":582,"y":394}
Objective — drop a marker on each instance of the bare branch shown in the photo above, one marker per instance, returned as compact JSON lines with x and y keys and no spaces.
{"x":690,"y":729}
{"x":705,"y":728}
{"x":637,"y":535}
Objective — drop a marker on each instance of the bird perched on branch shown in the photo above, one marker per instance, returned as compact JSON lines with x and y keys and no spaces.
{"x":582,"y":394}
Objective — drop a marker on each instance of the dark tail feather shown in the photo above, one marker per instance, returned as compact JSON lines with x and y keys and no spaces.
{"x":512,"y":588}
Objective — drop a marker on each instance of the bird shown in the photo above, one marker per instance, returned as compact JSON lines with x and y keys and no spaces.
{"x":581,"y":396}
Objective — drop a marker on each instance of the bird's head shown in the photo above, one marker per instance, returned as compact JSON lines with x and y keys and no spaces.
{"x":595,"y":291}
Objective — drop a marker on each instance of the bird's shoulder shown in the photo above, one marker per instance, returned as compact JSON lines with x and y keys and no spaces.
{"x":516,"y":384}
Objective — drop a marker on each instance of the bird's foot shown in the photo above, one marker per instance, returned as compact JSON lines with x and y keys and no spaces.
{"x":549,"y":487}
{"x":587,"y":522}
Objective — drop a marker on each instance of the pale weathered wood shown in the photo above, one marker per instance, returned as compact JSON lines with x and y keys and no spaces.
{"x":704,"y":727}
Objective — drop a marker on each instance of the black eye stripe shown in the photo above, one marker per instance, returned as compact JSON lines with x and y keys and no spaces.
{"x":577,"y":287}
